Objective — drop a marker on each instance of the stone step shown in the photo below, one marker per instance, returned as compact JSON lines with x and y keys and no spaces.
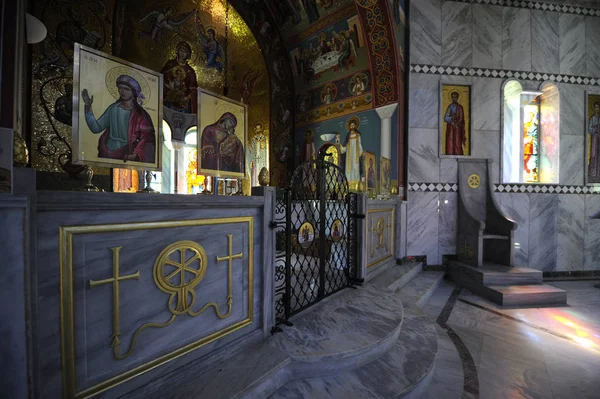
{"x":408,"y":367}
{"x":421,"y":288}
{"x":527,"y":295}
{"x":495,"y":274}
{"x":397,"y":276}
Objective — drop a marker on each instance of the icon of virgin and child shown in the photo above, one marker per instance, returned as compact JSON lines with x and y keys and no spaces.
{"x":127,"y":131}
{"x":221,"y":149}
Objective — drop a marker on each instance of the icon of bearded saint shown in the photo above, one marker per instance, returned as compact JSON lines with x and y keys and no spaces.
{"x":222,"y":150}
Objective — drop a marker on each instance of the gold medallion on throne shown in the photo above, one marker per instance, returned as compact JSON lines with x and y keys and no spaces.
{"x":474,"y":181}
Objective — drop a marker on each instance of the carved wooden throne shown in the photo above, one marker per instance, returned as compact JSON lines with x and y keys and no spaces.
{"x":485,"y":234}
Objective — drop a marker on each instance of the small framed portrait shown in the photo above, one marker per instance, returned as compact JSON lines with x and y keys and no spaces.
{"x":385,"y":182}
{"x":370,"y":170}
{"x":592,"y":138}
{"x":337,"y":230}
{"x":117,"y":112}
{"x":306,"y":235}
{"x":455,"y":122}
{"x":222,"y":133}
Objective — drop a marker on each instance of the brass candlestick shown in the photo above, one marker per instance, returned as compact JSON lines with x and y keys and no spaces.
{"x":206,"y":191}
{"x":148,"y":189}
{"x":89,"y":186}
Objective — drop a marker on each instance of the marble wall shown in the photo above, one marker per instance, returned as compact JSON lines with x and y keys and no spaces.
{"x":554,"y":231}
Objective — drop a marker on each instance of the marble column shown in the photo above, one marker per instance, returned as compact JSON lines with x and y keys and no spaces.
{"x":385,"y":114}
{"x":179,"y":167}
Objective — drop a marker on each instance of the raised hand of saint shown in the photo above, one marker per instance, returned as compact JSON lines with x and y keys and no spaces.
{"x":86,"y":99}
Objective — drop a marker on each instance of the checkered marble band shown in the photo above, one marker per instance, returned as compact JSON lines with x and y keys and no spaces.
{"x":503,"y":73}
{"x":538,"y":5}
{"x":509,"y":188}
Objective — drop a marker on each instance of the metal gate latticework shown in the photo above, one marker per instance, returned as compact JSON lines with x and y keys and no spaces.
{"x":316,"y":244}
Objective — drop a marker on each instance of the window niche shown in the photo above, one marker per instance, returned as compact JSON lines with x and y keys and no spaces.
{"x":531,"y":133}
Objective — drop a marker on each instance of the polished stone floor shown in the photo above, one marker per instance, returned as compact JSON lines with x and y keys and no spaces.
{"x":490,"y":352}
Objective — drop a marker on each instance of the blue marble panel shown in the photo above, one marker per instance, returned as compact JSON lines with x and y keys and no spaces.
{"x":572,"y":115}
{"x":423,"y":160}
{"x":543,"y":216}
{"x":424,"y":102}
{"x":485,"y":103}
{"x":572,"y":44}
{"x":447,"y":225}
{"x":13,"y":381}
{"x":571,"y":160}
{"x":426,"y":32}
{"x":457,"y":34}
{"x":516,"y":39}
{"x":592,"y":233}
{"x":592,"y":45}
{"x":570,"y":228}
{"x":486,"y":144}
{"x":487,"y":36}
{"x":422,"y":227}
{"x":544,"y":35}
{"x":448,"y":170}
{"x":516,"y":208}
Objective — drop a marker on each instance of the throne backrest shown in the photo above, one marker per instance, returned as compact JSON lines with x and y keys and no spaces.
{"x":473,"y":182}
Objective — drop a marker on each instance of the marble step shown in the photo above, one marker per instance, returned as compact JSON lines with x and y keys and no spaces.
{"x":408,"y":367}
{"x":495,"y":274}
{"x":397,"y":276}
{"x":527,"y":295}
{"x":421,"y":288}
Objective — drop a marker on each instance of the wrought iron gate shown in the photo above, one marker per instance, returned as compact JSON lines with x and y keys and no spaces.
{"x":316,"y":247}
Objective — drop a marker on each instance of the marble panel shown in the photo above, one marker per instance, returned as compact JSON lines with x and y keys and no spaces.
{"x":447,"y":225}
{"x":516,"y":208}
{"x":426,"y":32}
{"x":487,"y":36}
{"x":448,"y":170}
{"x":457,"y":34}
{"x":571,"y":163}
{"x":13,"y":382}
{"x":543,"y":216}
{"x":544,"y":42}
{"x":485,"y":104}
{"x":422,"y":227}
{"x":592,"y":45}
{"x":379,"y":248}
{"x":486,"y":144}
{"x":570,"y":227}
{"x":592,"y":233}
{"x":423,"y":161}
{"x":516,"y":39}
{"x":424,"y":105}
{"x":572,"y":115}
{"x":572,"y":44}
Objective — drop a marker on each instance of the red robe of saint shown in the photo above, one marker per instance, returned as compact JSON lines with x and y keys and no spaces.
{"x":455,"y":129}
{"x":179,"y":92}
{"x":222,"y":150}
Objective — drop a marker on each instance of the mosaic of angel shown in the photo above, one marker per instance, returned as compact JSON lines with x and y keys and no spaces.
{"x":162,"y":21}
{"x":211,"y":47}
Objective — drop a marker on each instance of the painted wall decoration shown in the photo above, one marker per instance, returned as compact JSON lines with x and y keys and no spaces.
{"x":295,"y":17}
{"x":592,"y":135}
{"x":258,"y":152}
{"x":455,"y":122}
{"x":385,"y":179}
{"x":344,"y":96}
{"x":221,"y":136}
{"x":398,"y":14}
{"x":370,"y":168}
{"x":337,"y":49}
{"x":118,"y":112}
{"x":352,"y":136}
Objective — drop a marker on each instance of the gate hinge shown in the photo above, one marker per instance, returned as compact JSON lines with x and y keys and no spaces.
{"x":272,"y":225}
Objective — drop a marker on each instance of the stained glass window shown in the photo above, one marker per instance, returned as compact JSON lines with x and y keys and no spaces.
{"x":531,"y":144}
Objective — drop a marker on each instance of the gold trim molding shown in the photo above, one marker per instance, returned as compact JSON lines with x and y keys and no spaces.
{"x":375,"y":230}
{"x":67,"y":331}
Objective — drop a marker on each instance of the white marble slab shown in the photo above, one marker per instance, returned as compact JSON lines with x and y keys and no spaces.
{"x":592,"y":45}
{"x":486,"y":144}
{"x":543,"y":216}
{"x":572,"y":115}
{"x":572,"y":44}
{"x":457,"y":35}
{"x":571,"y":164}
{"x":424,"y":101}
{"x":426,"y":32}
{"x":448,"y":170}
{"x":516,"y":207}
{"x":447,"y":225}
{"x":516,"y":39}
{"x":487,"y":36}
{"x":422,"y":229}
{"x":423,"y":160}
{"x":592,"y":233}
{"x":545,"y":41}
{"x":485,"y":100}
{"x":570,"y":229}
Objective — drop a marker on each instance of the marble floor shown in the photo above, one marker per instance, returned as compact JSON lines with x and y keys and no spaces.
{"x":490,"y":352}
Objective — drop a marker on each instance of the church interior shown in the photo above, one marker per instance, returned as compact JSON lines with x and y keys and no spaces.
{"x":300,"y":199}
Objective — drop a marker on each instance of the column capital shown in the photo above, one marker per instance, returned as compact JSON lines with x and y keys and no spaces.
{"x":386,"y":111}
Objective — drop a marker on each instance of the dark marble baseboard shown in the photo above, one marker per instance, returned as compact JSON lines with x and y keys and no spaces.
{"x":573,"y":275}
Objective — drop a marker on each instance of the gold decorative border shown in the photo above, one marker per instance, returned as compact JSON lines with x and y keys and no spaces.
{"x":67,"y":332}
{"x":369,"y":212}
